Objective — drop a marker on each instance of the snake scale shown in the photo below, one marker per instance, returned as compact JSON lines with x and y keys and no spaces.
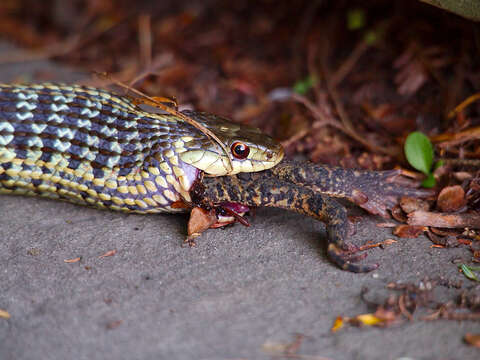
{"x":92,"y":147}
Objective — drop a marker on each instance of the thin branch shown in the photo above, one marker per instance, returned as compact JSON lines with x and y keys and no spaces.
{"x":321,"y":120}
{"x":145,"y":39}
{"x":158,"y":63}
{"x":349,"y":63}
{"x":347,"y":124}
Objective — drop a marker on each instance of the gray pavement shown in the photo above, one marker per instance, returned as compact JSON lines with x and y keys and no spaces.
{"x":240,"y":292}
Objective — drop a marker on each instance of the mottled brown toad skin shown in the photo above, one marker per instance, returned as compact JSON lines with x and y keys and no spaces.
{"x":265,"y":189}
{"x":308,"y":188}
{"x":375,"y":191}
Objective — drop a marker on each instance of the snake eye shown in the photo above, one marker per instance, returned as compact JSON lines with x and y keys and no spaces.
{"x":240,"y":150}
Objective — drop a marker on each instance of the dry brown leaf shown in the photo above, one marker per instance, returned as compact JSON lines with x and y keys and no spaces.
{"x":398,"y":214}
{"x":444,"y":232}
{"x":462,"y":175}
{"x":409,"y":204}
{"x":114,"y":324}
{"x":408,"y":231}
{"x":451,"y":198}
{"x":200,"y":220}
{"x":4,"y":314}
{"x":412,"y":74}
{"x":446,"y":241}
{"x":415,"y":65}
{"x":464,"y":241}
{"x":368,"y":319}
{"x":472,"y":339}
{"x":337,"y":324}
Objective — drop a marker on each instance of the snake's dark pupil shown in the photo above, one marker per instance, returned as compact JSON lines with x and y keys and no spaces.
{"x":240,"y":150}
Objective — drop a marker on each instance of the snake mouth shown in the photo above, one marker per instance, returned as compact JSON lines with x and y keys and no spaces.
{"x":213,"y":164}
{"x":276,"y":156}
{"x":266,"y":160}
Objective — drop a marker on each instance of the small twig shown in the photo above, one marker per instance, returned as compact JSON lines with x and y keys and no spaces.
{"x":403,"y":308}
{"x":460,"y":162}
{"x":315,"y":110}
{"x":321,"y":120}
{"x":294,"y":346}
{"x":145,"y":39}
{"x":379,"y":244}
{"x":307,"y":19}
{"x":463,"y":105}
{"x":108,"y":253}
{"x":347,"y":124}
{"x":349,"y":63}
{"x":455,"y":89}
{"x":297,"y":137}
{"x":448,"y":139}
{"x":434,"y":316}
{"x":462,"y":316}
{"x":159,"y":62}
{"x":312,"y":70}
{"x":426,"y":218}
{"x":326,"y":119}
{"x":444,"y":313}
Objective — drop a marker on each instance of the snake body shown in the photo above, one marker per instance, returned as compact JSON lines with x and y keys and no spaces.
{"x":89,"y":146}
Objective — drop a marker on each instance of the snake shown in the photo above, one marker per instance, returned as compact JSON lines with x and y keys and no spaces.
{"x":93,"y":147}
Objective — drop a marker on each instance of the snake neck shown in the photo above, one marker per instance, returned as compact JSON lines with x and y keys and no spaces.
{"x":87,"y":146}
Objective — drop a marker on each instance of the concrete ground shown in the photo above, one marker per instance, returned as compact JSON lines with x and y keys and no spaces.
{"x":241,"y":293}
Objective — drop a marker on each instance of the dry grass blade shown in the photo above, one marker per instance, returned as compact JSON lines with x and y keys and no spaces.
{"x":349,"y":63}
{"x":463,"y":105}
{"x":448,"y":139}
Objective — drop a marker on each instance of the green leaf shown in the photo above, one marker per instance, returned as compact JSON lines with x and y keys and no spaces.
{"x":467,"y":271}
{"x":419,"y":152}
{"x":472,"y":268}
{"x":355,"y":19}
{"x":429,"y":182}
{"x":303,"y":86}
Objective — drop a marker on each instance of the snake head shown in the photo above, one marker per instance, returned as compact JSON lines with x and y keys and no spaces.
{"x":249,"y":150}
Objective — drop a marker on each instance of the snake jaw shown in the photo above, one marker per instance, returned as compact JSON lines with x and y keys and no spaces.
{"x":216,"y":164}
{"x":208,"y":156}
